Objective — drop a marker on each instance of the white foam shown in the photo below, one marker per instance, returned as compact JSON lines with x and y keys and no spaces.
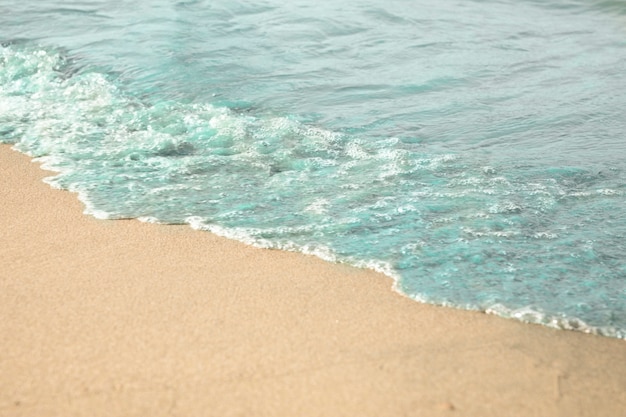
{"x":530,"y":314}
{"x":319,"y":206}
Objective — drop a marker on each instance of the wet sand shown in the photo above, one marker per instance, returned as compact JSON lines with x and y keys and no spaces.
{"x":122,"y":318}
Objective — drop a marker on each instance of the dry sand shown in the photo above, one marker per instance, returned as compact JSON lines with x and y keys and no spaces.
{"x":120,"y":318}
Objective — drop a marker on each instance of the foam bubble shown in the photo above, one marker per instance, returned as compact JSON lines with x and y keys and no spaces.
{"x":530,"y":314}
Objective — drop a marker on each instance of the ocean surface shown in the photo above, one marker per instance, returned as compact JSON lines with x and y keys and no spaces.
{"x":473,"y":150}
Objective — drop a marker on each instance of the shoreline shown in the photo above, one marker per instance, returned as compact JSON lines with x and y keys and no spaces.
{"x":119,"y":317}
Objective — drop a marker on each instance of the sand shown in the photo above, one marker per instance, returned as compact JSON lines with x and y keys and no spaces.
{"x":122,"y":318}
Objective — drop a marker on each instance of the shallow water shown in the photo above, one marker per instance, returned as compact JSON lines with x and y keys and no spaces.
{"x":474,"y":150}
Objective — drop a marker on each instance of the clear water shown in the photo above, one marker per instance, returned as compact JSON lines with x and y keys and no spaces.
{"x":473,"y":150}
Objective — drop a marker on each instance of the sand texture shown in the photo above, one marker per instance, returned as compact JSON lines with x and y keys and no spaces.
{"x":121,"y":318}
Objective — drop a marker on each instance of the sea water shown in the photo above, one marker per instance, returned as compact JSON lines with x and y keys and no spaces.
{"x":473,"y":150}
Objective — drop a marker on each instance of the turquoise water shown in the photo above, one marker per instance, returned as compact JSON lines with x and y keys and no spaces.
{"x":473,"y":150}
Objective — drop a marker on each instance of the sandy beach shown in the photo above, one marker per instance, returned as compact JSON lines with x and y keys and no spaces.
{"x":122,"y":318}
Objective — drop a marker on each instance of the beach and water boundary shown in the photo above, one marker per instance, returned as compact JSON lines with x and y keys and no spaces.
{"x":541,"y":243}
{"x":125,"y":318}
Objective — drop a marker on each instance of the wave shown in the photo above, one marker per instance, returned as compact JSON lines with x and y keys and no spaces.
{"x":518,"y":241}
